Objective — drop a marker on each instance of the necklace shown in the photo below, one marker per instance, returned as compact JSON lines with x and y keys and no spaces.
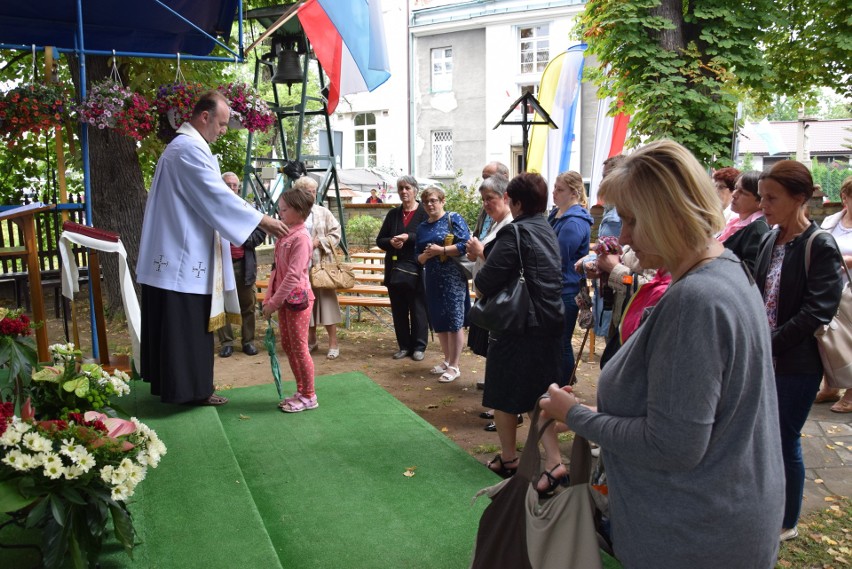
{"x":407,"y":215}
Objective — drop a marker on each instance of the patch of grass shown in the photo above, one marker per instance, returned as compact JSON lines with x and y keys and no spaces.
{"x":565,"y":437}
{"x":825,"y":539}
{"x":485,"y":449}
{"x":448,"y":400}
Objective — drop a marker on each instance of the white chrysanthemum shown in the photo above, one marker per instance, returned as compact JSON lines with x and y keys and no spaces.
{"x":28,"y":462}
{"x":54,"y":469}
{"x":137,"y":475}
{"x":20,"y":427}
{"x":85,"y":460}
{"x":14,"y":459}
{"x":106,"y":473}
{"x":38,"y":459}
{"x":10,"y":438}
{"x":73,"y":472}
{"x":121,"y":492}
{"x":69,"y":447}
{"x":37,"y":443}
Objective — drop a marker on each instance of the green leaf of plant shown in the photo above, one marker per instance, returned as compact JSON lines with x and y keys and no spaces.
{"x":11,"y":499}
{"x":123,"y":525}
{"x":58,"y":509}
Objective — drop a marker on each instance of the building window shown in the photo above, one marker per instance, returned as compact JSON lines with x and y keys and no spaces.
{"x":442,"y":153}
{"x":531,"y":88}
{"x":365,"y":140}
{"x":534,"y":48}
{"x":442,"y":69}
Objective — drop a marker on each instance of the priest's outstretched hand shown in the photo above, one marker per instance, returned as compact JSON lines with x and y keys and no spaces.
{"x":274,"y":227}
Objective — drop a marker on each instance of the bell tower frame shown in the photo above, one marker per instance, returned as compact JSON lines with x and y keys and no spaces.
{"x":297,"y":72}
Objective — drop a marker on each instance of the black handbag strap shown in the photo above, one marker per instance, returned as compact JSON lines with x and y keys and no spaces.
{"x":530,"y":466}
{"x":518,"y":241}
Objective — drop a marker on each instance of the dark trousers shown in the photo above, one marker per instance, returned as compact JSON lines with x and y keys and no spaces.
{"x":408,"y":308}
{"x":796,"y":394}
{"x":177,"y":349}
{"x":247,"y":297}
{"x":569,"y":302}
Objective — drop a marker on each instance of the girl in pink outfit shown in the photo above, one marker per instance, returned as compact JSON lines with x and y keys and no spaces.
{"x":289,"y":293}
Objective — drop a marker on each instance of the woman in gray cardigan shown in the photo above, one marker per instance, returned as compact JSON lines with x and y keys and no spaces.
{"x":686,"y":416}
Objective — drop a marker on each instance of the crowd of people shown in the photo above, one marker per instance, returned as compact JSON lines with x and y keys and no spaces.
{"x":711,"y":365}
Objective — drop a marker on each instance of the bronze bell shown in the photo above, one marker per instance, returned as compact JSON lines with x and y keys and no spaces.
{"x":288,"y":70}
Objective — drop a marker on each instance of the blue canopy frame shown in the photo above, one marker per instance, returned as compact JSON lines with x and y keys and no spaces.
{"x":146,"y":29}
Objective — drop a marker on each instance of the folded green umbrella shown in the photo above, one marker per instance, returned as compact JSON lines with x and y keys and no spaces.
{"x":269,"y":340}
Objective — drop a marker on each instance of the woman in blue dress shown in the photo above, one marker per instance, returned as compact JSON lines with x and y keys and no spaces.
{"x":440,"y":239}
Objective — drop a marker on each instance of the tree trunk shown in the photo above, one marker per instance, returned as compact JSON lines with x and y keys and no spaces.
{"x":117,"y":190}
{"x":673,"y":39}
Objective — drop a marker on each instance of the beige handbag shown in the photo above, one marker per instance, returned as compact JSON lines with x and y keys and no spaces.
{"x":835,"y":338}
{"x":331,"y":275}
{"x":520,"y":530}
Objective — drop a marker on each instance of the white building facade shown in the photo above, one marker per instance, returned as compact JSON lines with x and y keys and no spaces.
{"x":456,"y":67}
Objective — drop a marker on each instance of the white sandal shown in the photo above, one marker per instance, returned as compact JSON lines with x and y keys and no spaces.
{"x":333,"y":353}
{"x":452,"y":374}
{"x":439,"y":369}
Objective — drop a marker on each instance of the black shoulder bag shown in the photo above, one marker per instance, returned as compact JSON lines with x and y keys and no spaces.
{"x":506,"y":311}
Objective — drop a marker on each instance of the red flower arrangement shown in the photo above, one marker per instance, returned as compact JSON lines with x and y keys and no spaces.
{"x":109,"y":104}
{"x":177,"y":100}
{"x":31,"y":108}
{"x":15,"y":326}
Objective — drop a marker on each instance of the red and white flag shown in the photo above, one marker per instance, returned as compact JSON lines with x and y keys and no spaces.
{"x":348,"y":37}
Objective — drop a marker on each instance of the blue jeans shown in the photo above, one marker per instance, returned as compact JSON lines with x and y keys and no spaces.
{"x":796,"y":394}
{"x":571,"y":311}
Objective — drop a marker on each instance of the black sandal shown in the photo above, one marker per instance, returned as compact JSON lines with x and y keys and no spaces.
{"x":553,"y":482}
{"x":504,"y":471}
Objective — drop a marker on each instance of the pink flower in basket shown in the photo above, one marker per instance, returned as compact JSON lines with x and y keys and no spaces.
{"x":248,"y":108}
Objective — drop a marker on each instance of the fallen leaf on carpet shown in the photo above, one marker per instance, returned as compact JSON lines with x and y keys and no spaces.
{"x":244,"y":417}
{"x":409,"y":471}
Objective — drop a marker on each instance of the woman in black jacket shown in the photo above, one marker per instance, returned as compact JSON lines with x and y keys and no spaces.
{"x":798,"y":301}
{"x":520,"y":366}
{"x":402,"y":272}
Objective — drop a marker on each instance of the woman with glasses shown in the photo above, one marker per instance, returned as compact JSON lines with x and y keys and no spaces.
{"x":402,"y":272}
{"x":443,"y":236}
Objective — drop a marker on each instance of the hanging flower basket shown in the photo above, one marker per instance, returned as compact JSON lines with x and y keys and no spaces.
{"x":176,"y":100}
{"x":31,"y":108}
{"x":248,"y":108}
{"x":110,"y":105}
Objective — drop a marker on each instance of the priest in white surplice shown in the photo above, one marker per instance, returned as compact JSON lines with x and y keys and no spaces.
{"x":184,"y":265}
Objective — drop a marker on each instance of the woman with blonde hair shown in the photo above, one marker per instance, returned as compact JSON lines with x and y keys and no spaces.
{"x":688,"y":401}
{"x":572,"y":224}
{"x":325,"y":235}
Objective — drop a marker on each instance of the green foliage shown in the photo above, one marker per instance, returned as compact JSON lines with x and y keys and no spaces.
{"x":464,"y":200}
{"x":679,"y":68}
{"x":361,"y":230}
{"x":830,"y":177}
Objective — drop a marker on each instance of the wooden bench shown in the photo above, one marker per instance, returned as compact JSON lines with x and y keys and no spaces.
{"x":372,"y":257}
{"x":366,"y":267}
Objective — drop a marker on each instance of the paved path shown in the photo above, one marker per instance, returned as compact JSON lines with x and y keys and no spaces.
{"x":827,"y":446}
